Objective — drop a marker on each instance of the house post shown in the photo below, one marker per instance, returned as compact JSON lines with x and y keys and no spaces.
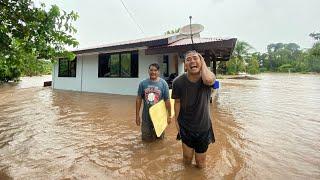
{"x":207,"y":57}
{"x":214,"y":64}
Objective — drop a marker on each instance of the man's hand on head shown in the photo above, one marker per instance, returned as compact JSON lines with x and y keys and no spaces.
{"x":203,"y":63}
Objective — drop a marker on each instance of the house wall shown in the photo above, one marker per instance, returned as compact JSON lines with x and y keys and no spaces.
{"x":67,"y":83}
{"x":172,"y":69}
{"x":87,"y":76}
{"x":180,"y":65}
{"x":127,"y":86}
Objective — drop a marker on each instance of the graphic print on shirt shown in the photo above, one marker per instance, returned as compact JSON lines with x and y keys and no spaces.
{"x":152,"y":95}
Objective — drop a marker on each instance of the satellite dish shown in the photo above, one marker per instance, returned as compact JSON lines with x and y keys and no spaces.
{"x":191,"y":29}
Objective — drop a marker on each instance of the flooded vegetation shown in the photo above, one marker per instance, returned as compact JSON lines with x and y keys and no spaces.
{"x":265,"y":129}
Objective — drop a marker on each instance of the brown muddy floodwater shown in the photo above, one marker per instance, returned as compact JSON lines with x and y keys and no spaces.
{"x":265,"y":129}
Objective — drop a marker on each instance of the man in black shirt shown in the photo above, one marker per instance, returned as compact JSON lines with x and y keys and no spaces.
{"x":192,"y":92}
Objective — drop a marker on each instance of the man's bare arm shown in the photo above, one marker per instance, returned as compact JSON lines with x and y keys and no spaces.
{"x":138,"y":106}
{"x":176,"y":113}
{"x":168,"y":106}
{"x":207,"y":76}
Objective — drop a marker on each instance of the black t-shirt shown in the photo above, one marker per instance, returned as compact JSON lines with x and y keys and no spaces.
{"x":194,"y":98}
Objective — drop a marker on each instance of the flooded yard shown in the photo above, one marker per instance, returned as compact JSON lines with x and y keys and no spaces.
{"x":265,"y":129}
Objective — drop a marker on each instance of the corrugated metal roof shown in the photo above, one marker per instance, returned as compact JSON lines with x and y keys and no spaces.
{"x":188,"y":41}
{"x":124,"y":43}
{"x":164,"y":44}
{"x":221,"y":47}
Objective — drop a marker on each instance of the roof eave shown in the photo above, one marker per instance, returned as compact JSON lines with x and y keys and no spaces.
{"x":221,"y":49}
{"x":120,"y":47}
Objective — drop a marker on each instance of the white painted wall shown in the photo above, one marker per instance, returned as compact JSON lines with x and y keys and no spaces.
{"x":171,"y":64}
{"x":91,"y":83}
{"x":180,"y":66}
{"x":126,"y":86}
{"x":67,"y":83}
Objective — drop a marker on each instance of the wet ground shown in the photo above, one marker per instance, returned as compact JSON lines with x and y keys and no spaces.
{"x":265,"y":129}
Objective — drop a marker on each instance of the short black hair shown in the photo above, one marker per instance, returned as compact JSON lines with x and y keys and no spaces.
{"x":156,"y":65}
{"x":190,"y":51}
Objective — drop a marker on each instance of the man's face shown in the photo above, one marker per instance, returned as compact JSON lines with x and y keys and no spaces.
{"x":193,"y":63}
{"x":153,"y":73}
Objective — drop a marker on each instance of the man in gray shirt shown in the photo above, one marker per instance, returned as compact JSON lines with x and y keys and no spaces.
{"x":192,"y":92}
{"x":151,"y":90}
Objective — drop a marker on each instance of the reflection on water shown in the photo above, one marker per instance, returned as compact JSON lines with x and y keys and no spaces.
{"x":265,"y":129}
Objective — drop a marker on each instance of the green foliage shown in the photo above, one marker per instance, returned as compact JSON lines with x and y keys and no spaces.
{"x":242,"y":60}
{"x":313,"y":58}
{"x":313,"y":63}
{"x":299,"y":63}
{"x":263,"y":69}
{"x":29,"y":33}
{"x":8,"y":70}
{"x":235,"y":65}
{"x":222,"y":67}
{"x":280,"y":54}
{"x":37,"y":67}
{"x":173,"y":31}
{"x":242,"y":49}
{"x":285,"y":68}
{"x":315,"y":36}
{"x":281,"y":57}
{"x":315,"y":50}
{"x":253,"y":64}
{"x":231,"y":66}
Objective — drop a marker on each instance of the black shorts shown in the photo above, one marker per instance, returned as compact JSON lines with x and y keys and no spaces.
{"x":199,"y":141}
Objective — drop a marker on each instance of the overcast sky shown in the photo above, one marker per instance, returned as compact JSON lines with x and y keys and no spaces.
{"x":258,"y":22}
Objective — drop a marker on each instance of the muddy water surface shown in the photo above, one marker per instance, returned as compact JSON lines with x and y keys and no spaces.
{"x":265,"y":129}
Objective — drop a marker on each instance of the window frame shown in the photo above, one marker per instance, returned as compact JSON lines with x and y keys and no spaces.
{"x":165,"y":60}
{"x":105,"y":55}
{"x":69,"y":70}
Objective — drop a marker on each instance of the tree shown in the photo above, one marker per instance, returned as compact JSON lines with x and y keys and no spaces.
{"x":263,"y":61}
{"x":280,"y":54}
{"x":253,"y":64}
{"x":235,"y":65}
{"x":314,"y":54}
{"x":242,"y":49}
{"x":315,"y":50}
{"x":237,"y":62}
{"x":173,"y":31}
{"x":315,"y":36}
{"x":30,"y":31}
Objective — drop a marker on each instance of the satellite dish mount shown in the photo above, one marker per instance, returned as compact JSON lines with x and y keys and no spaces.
{"x":191,"y":29}
{"x":190,"y":17}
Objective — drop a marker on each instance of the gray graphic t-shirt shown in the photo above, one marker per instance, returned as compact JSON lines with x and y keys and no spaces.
{"x":152,"y":92}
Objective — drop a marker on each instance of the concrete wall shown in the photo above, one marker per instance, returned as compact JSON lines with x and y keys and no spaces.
{"x":172,"y":58}
{"x":87,"y":76}
{"x":67,"y":83}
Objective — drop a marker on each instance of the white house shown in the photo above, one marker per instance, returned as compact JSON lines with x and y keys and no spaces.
{"x":118,"y":68}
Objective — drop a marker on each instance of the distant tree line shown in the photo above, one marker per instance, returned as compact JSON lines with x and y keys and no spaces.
{"x":280,"y":57}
